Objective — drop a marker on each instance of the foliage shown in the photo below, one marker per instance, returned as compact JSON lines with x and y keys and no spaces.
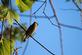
{"x":24,"y":5}
{"x":78,"y":1}
{"x":12,"y":15}
{"x":3,"y":12}
{"x":5,"y":46}
{"x":10,"y":35}
{"x":6,"y":13}
{"x":5,"y":42}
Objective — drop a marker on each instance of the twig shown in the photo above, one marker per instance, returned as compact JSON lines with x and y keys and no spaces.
{"x":16,"y":51}
{"x":69,"y":9}
{"x":54,"y":12}
{"x":69,"y":26}
{"x":10,"y":40}
{"x":10,"y":3}
{"x":25,"y":48}
{"x":39,"y":7}
{"x":45,"y":5}
{"x":19,"y":25}
{"x":28,"y":39}
{"x":51,"y":17}
{"x":38,"y":42}
{"x":2,"y":28}
{"x":59,"y":27}
{"x":39,"y":1}
{"x":48,"y":16}
{"x":42,"y":46}
{"x":76,"y":5}
{"x":50,"y":20}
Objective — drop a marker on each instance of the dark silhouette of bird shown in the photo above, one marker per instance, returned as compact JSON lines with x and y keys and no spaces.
{"x":30,"y":30}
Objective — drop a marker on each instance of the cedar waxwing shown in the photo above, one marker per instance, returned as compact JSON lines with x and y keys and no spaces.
{"x":30,"y":30}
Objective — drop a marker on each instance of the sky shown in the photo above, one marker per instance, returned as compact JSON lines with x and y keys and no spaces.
{"x":48,"y":35}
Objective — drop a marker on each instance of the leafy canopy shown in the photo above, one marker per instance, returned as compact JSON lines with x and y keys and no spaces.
{"x":6,"y":13}
{"x":24,"y":5}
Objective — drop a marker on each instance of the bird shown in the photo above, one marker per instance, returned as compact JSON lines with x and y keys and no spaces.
{"x":30,"y":30}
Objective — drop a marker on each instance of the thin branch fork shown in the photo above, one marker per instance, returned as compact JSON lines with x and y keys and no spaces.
{"x":76,"y":5}
{"x":60,"y":32}
{"x":36,"y":40}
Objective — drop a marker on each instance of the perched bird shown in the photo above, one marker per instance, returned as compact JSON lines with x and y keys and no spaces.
{"x":30,"y":30}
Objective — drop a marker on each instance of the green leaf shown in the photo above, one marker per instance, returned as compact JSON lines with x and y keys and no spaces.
{"x":15,"y":15}
{"x":5,"y":47}
{"x":19,"y":33}
{"x":28,"y":2}
{"x":3,"y":12}
{"x":79,"y":1}
{"x":12,"y":15}
{"x":24,"y":5}
{"x":8,"y":14}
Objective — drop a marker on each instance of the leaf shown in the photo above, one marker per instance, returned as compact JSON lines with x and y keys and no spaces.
{"x":3,"y":12}
{"x":79,"y":1}
{"x":19,"y":33}
{"x":7,"y":14}
{"x":24,"y":5}
{"x":12,"y":15}
{"x":28,"y":2}
{"x":5,"y":47}
{"x":16,"y":16}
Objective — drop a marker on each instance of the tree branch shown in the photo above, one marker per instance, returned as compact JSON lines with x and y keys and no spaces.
{"x":37,"y":41}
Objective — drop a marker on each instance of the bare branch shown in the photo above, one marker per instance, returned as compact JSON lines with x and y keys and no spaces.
{"x":38,"y":17}
{"x":42,"y":46}
{"x":76,"y":5}
{"x":60,"y":32}
{"x":39,"y":8}
{"x":37,"y":41}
